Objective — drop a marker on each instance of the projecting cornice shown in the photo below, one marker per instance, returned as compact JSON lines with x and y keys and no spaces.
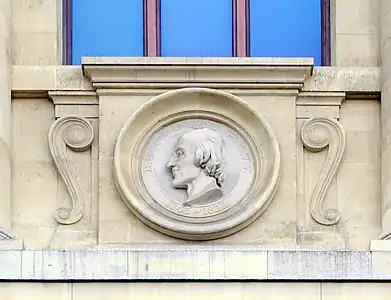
{"x":162,"y":72}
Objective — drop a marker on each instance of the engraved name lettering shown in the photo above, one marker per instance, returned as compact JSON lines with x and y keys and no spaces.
{"x":248,"y":169}
{"x":197,"y":124}
{"x":149,"y":156}
{"x":151,"y":153}
{"x":245,"y":155}
{"x":232,"y":138}
{"x":147,"y":167}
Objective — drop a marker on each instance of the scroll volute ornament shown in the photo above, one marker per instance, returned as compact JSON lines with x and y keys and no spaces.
{"x":4,"y":235}
{"x":76,"y":133}
{"x":316,"y":135}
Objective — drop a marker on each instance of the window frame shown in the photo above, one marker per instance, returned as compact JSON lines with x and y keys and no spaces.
{"x":240,"y":30}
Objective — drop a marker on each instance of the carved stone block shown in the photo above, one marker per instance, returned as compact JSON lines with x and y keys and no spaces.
{"x":197,"y":163}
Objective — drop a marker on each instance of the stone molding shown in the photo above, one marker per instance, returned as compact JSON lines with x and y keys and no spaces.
{"x":11,"y":244}
{"x":320,"y":99}
{"x":194,"y":61}
{"x":319,"y":104}
{"x":82,"y":103}
{"x":28,"y":80}
{"x":194,"y":263}
{"x":183,"y":72}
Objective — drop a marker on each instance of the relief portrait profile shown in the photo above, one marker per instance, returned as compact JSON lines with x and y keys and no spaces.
{"x":197,"y":164}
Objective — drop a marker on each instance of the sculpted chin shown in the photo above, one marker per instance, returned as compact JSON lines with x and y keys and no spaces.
{"x":198,"y":165}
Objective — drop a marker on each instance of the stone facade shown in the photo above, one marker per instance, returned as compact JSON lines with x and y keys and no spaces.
{"x":66,"y":216}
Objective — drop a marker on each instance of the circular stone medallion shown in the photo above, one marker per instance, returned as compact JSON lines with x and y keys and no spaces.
{"x":197,"y":164}
{"x":191,"y":199}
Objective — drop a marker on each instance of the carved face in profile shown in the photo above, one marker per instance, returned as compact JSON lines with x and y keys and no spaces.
{"x":198,"y":163}
{"x":182,"y":163}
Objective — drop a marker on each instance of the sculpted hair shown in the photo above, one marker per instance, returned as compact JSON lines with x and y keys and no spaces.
{"x":210,"y":155}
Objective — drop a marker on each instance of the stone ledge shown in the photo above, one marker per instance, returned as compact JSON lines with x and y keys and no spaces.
{"x":194,"y":61}
{"x":11,"y":244}
{"x":380,"y":245}
{"x":194,"y":263}
{"x":33,"y":79}
{"x":344,"y":79}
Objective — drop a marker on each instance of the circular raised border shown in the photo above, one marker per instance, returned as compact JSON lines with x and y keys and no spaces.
{"x":210,"y":104}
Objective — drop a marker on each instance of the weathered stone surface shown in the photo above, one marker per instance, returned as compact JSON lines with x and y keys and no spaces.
{"x":286,"y":224}
{"x":108,"y":242}
{"x":194,"y":263}
{"x":319,"y":265}
{"x":5,"y":115}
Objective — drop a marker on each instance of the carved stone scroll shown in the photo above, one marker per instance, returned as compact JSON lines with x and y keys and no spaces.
{"x":386,"y":236}
{"x":4,"y":235}
{"x":76,"y":133}
{"x":316,"y":135}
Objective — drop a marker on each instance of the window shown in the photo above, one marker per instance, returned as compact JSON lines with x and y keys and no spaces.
{"x":285,"y":28}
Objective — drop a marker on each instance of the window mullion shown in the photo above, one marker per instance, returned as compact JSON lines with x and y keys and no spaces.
{"x":240,"y":28}
{"x":152,"y":27}
{"x":326,"y":33}
{"x":67,"y":32}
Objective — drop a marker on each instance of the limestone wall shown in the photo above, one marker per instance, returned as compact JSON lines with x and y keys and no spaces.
{"x":356,"y":33}
{"x":332,"y":234}
{"x":36,"y":32}
{"x":355,"y":191}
